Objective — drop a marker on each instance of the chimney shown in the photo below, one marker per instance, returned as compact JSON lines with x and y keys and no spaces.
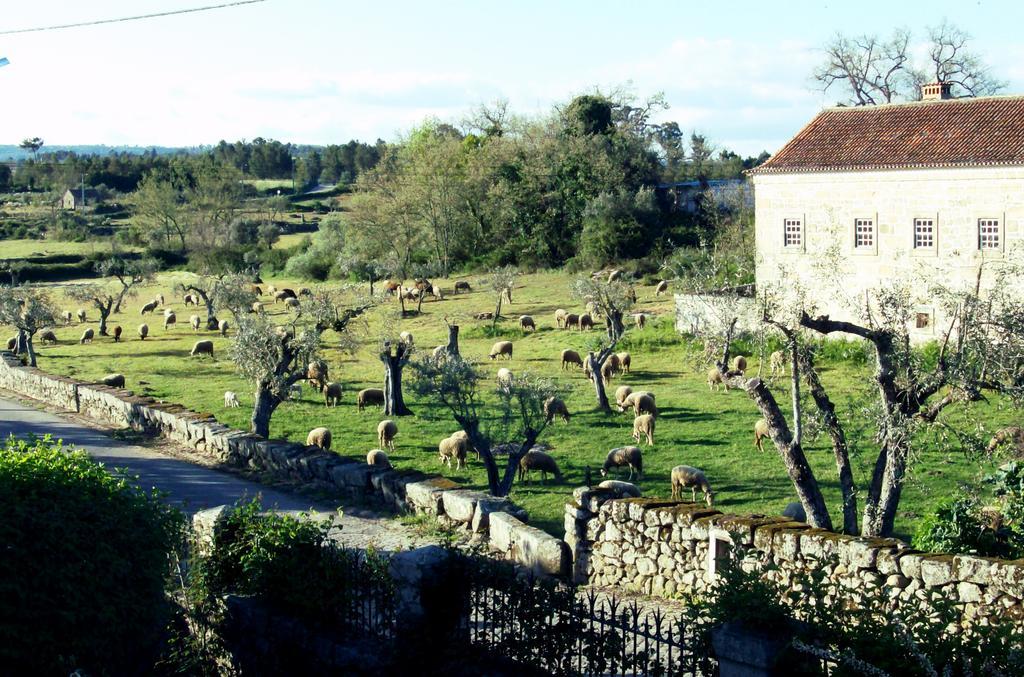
{"x":934,"y":91}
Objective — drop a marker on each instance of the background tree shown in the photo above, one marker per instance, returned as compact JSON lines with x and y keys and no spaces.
{"x":500,"y":282}
{"x":27,"y":309}
{"x":159,"y":207}
{"x":456,"y":383}
{"x":107,"y":299}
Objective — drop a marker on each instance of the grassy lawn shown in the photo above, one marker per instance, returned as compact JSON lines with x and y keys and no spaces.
{"x":16,"y":249}
{"x":289,"y":240}
{"x":712,"y":431}
{"x":269,"y":184}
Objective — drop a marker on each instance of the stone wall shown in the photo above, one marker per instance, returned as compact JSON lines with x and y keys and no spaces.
{"x":665,"y":548}
{"x":398,"y":490}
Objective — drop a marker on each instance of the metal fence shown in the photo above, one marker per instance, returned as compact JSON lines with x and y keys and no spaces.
{"x":560,"y":631}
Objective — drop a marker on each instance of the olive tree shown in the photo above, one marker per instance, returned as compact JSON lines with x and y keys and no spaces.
{"x":458,"y":385}
{"x":274,"y":358}
{"x":501,"y":282}
{"x":612,"y":300}
{"x":108,"y":299}
{"x":27,"y":309}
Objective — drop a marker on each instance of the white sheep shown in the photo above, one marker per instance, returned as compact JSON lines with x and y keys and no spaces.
{"x":643,"y":428}
{"x":452,"y":447}
{"x":87,"y":336}
{"x":685,"y":476}
{"x":67,"y":316}
{"x":406,"y":339}
{"x":526,"y":322}
{"x":739,"y":363}
{"x":231,"y":400}
{"x":630,"y":457}
{"x":223,"y":327}
{"x":169,"y":319}
{"x":777,"y":362}
{"x":81,"y":314}
{"x":332,"y":394}
{"x":760,"y":432}
{"x":503,"y":348}
{"x":319,"y":437}
{"x":621,"y":489}
{"x":541,"y":462}
{"x":143,"y":331}
{"x":644,"y":403}
{"x":195,"y":321}
{"x":661,"y":288}
{"x":625,"y":361}
{"x":202,"y":348}
{"x":641,"y":320}
{"x":378,"y":459}
{"x":560,"y":316}
{"x":504,"y":378}
{"x":386,"y":431}
{"x":716,"y":379}
{"x":257,"y":307}
{"x":316,"y":374}
{"x":554,"y":406}
{"x":292,"y":303}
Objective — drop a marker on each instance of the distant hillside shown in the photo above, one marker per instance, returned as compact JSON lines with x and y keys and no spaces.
{"x":14,"y":153}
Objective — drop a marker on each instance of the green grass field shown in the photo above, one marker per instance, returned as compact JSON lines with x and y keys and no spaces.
{"x":289,"y":240}
{"x":17,"y":249}
{"x":712,"y":431}
{"x":269,"y":184}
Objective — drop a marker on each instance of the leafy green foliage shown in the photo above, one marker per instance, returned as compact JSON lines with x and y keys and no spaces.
{"x":85,"y":564}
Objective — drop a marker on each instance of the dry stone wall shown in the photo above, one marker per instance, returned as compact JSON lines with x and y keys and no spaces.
{"x":399,"y":490}
{"x":669,"y":548}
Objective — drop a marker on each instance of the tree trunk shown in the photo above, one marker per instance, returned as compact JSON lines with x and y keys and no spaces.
{"x":262,"y":409}
{"x":453,"y":340}
{"x":482,"y":445}
{"x":31,"y":350}
{"x":792,"y":454}
{"x":104,"y":313}
{"x":394,"y":403}
{"x":497,"y":313}
{"x":513,"y":463}
{"x":21,"y":343}
{"x":595,"y":363}
{"x":885,"y":490}
{"x":613,"y":326}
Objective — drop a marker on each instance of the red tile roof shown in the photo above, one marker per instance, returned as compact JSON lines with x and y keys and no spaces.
{"x":944,"y":133}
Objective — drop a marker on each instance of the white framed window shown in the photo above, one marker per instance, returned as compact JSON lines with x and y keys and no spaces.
{"x":864,"y":233}
{"x":793,"y":232}
{"x":924,"y":233}
{"x":989,"y":234}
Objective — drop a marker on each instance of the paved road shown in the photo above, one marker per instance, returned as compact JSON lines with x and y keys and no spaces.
{"x":194,"y":487}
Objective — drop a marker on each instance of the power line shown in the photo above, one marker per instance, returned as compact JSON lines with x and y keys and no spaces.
{"x":130,"y":18}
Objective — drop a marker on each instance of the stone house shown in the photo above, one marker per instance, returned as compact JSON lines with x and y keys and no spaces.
{"x":912,"y":192}
{"x":76,"y":198}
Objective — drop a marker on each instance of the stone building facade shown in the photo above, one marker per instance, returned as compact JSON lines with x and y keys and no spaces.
{"x":920,"y":192}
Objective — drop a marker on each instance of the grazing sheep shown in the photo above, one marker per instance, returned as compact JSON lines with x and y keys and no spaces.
{"x":190,"y":300}
{"x":305,"y":291}
{"x":143,"y":331}
{"x":610,"y":368}
{"x":571,"y":357}
{"x":67,"y":316}
{"x":644,"y":404}
{"x":257,"y":307}
{"x":614,"y":275}
{"x":631,"y":295}
{"x":592,"y":309}
{"x":223,"y":327}
{"x":292,"y":302}
{"x":202,"y":348}
{"x":406,"y":339}
{"x":319,"y":437}
{"x":560,"y":315}
{"x":554,"y":406}
{"x":685,"y":476}
{"x":504,"y":378}
{"x":46,"y":337}
{"x":231,"y":400}
{"x":621,"y":489}
{"x":501,"y":348}
{"x":541,"y":462}
{"x":464,"y":436}
{"x":256,"y":290}
{"x":80,"y":313}
{"x":641,"y":320}
{"x":572,"y":320}
{"x":12,"y":343}
{"x":777,"y":361}
{"x":760,"y":432}
{"x":149,"y":307}
{"x":526,"y":322}
{"x":295,"y":391}
{"x":739,"y":364}
{"x":621,"y":393}
{"x":453,"y":447}
{"x":169,"y":319}
{"x":369,"y":396}
{"x":87,"y":336}
{"x":271,"y":290}
{"x":661,"y":288}
{"x":283,"y":332}
{"x":586,"y":322}
{"x":440,"y":352}
{"x":716,"y":379}
{"x":461,"y":286}
{"x":117,"y":334}
{"x":643,"y":428}
{"x":625,"y":359}
{"x":378,"y":459}
{"x":795,"y":511}
{"x":113,"y":380}
{"x":436,"y":292}
{"x":195,"y":322}
{"x":316,"y":374}
{"x":159,"y":297}
{"x":281,"y":296}
{"x":619,"y":457}
{"x":484,"y":316}
{"x":332,"y":394}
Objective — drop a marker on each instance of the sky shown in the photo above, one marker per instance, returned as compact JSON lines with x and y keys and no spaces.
{"x":326,"y":71}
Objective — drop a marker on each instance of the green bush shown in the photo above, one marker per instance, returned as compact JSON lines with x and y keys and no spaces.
{"x":84,"y":565}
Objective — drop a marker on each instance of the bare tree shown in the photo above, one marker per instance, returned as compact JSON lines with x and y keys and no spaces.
{"x":28,"y":310}
{"x":501,"y":282}
{"x":612,"y":300}
{"x":456,"y":383}
{"x":871,"y":70}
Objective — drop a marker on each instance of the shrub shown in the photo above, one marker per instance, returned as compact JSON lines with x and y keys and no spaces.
{"x":85,"y":564}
